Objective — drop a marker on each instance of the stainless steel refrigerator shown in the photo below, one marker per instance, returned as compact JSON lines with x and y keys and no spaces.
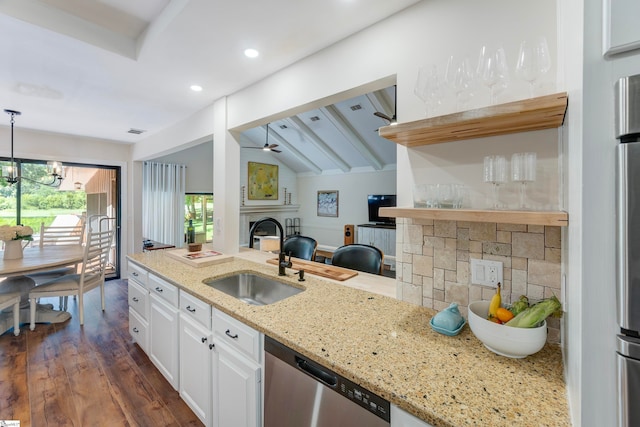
{"x":628,"y":249}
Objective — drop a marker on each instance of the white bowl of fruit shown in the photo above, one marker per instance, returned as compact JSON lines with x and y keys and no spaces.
{"x":517,"y":337}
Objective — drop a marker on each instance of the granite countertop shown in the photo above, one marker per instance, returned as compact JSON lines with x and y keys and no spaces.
{"x":388,"y":347}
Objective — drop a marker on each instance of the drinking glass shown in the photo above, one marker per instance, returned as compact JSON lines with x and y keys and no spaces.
{"x":495,"y":173}
{"x":494,"y":72}
{"x":527,"y":64}
{"x":429,"y":89}
{"x":460,"y":78}
{"x":523,"y":170}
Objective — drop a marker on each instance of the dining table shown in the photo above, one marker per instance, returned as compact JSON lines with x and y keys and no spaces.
{"x":14,"y":277}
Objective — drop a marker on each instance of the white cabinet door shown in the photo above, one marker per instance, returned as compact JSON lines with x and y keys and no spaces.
{"x":196,"y":368}
{"x":163,"y":342}
{"x":400,"y":418}
{"x":366,"y":236}
{"x":382,"y":238}
{"x":237,"y":394}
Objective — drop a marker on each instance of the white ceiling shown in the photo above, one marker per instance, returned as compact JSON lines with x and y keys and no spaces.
{"x":99,"y":68}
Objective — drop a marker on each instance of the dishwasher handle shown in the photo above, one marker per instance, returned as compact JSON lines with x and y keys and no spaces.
{"x":316,"y":372}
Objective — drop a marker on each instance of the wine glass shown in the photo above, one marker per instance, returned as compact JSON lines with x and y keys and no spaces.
{"x":429,"y":89}
{"x":460,"y":78}
{"x":495,"y":173}
{"x":527,"y":67}
{"x":523,"y":170}
{"x":494,"y":72}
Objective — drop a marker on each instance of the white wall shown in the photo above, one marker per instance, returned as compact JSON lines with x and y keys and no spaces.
{"x":353,"y":189}
{"x":199,"y":161}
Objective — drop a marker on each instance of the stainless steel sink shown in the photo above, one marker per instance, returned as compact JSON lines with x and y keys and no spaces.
{"x":253,"y":289}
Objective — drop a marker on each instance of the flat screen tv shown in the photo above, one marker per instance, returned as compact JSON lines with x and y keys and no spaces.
{"x":377,"y":201}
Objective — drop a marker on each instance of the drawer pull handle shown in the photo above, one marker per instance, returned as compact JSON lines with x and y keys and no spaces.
{"x":204,"y":340}
{"x":158,"y":288}
{"x":211,"y":346}
{"x":228,"y":332}
{"x":136,"y":330}
{"x":134,"y":274}
{"x":135,"y":299}
{"x":192,"y":310}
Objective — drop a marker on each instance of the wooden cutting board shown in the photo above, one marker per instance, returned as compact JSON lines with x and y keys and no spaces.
{"x":324,"y":270}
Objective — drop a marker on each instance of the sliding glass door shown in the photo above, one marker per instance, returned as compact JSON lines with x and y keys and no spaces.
{"x":86,"y":193}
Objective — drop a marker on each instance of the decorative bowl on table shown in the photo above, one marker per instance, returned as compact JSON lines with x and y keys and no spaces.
{"x":502,"y":339}
{"x":194,"y":247}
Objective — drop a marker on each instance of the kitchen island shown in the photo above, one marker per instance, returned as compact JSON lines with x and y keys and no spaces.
{"x":387,"y":346}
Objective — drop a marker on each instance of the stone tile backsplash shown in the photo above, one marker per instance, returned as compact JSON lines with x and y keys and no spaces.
{"x":433,"y":262}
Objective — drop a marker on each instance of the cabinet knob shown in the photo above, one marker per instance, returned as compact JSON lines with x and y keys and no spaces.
{"x":135,"y":299}
{"x":211,"y":346}
{"x":204,"y":339}
{"x":136,"y":330}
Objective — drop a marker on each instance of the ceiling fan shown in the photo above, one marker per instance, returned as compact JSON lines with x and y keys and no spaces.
{"x":267,"y":146}
{"x":392,"y":120}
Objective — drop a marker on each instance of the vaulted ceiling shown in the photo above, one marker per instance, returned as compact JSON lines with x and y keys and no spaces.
{"x":342,"y":137}
{"x":102,"y":68}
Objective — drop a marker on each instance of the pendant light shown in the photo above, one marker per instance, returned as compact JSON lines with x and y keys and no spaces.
{"x":10,"y":173}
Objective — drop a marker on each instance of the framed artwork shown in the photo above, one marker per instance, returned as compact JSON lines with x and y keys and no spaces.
{"x":328,"y":203}
{"x":262,"y":181}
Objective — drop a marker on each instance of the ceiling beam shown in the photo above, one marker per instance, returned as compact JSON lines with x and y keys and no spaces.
{"x":274,"y":135}
{"x":339,"y":121}
{"x":381,"y":103}
{"x":319,"y":143}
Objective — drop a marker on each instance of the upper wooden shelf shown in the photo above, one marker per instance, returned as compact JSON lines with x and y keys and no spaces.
{"x":545,"y":112}
{"x":555,"y":218}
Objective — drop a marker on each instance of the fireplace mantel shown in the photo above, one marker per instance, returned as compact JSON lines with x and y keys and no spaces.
{"x":268,"y":208}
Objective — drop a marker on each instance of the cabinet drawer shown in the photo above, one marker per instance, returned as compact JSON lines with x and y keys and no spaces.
{"x":195,"y":309}
{"x":139,"y":299}
{"x":138,"y":329}
{"x":137,"y":273}
{"x":163,"y":289}
{"x":237,"y":335}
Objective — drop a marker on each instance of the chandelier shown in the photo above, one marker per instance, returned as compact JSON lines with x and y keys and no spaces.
{"x":10,"y":173}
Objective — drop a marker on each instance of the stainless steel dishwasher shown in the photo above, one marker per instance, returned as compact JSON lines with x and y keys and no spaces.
{"x":301,"y":393}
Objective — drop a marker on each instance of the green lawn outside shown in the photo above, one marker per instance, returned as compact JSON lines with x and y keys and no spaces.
{"x":34,"y":217}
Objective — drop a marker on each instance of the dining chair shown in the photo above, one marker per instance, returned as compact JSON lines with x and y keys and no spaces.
{"x":56,"y":235}
{"x":12,"y":299}
{"x":359,"y":257}
{"x":302,"y":247}
{"x":94,"y":264}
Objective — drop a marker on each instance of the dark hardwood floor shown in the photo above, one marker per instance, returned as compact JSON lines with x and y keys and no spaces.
{"x":67,"y":375}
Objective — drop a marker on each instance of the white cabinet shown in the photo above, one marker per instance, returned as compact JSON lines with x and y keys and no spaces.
{"x":138,"y":297}
{"x":237,"y":392}
{"x":196,"y":367}
{"x":163,"y":326}
{"x":400,"y":418}
{"x":383,"y":238}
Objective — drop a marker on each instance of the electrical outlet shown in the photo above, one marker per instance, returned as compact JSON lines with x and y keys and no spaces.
{"x":486,"y":273}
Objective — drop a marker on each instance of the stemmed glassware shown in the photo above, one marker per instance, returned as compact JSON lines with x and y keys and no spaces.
{"x":495,"y":173}
{"x":493,"y":71}
{"x":533,"y":60}
{"x":429,"y":89}
{"x":523,"y":170}
{"x":460,"y":78}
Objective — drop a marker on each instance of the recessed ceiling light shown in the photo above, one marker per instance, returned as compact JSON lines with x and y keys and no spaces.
{"x":251,"y":53}
{"x":196,"y":88}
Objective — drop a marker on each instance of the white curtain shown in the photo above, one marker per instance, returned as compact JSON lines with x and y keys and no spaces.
{"x":163,"y":191}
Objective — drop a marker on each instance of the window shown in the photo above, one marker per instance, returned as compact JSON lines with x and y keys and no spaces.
{"x":199,"y":209}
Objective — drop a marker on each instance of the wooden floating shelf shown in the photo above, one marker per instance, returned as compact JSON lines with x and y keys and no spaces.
{"x":553,"y":218}
{"x":545,"y":112}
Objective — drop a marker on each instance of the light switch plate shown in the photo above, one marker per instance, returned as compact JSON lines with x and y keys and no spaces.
{"x":486,"y":273}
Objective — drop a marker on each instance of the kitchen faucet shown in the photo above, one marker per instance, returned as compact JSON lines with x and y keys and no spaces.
{"x":282,"y":262}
